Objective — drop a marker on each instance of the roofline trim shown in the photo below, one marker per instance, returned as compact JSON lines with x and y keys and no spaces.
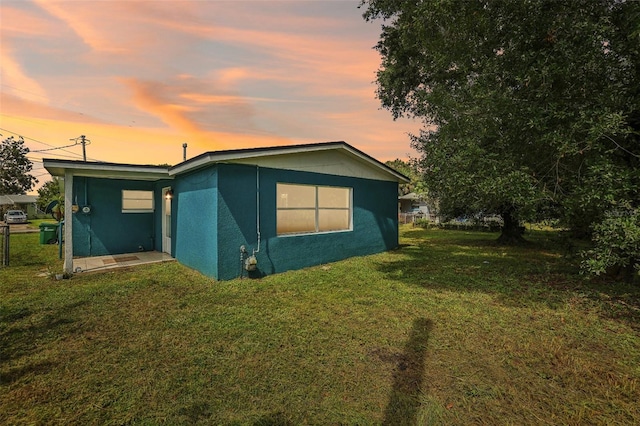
{"x":207,"y":158}
{"x":58,"y":167}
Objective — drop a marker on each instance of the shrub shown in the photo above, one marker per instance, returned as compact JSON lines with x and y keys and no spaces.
{"x":616,"y":246}
{"x":425,"y":223}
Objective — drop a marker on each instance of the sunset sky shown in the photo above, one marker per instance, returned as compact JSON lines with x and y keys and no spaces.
{"x":140,"y":78}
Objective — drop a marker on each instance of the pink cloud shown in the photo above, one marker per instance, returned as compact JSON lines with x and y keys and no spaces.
{"x":18,"y":22}
{"x":15,"y":78}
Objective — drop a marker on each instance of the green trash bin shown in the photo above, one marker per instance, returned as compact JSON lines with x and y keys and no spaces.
{"x":49,"y":233}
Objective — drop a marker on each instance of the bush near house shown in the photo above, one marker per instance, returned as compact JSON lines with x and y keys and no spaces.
{"x":449,"y":329}
{"x":472,"y":226}
{"x":616,"y":246}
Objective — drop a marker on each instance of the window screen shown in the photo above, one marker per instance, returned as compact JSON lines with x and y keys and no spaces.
{"x":309,"y":209}
{"x":137,"y":201}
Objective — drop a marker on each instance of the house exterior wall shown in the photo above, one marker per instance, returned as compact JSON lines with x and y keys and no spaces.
{"x":215,"y":211}
{"x":195,"y":220}
{"x":106,"y":230}
{"x":328,"y":162}
{"x":30,"y":210}
{"x":375,"y":220}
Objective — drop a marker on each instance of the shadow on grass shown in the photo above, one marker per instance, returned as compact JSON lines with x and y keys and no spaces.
{"x":24,"y":330}
{"x":14,"y":374}
{"x":404,"y":401}
{"x":275,"y":419}
{"x":536,"y":273}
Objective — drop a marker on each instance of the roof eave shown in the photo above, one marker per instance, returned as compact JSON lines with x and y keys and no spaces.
{"x":106,"y":170}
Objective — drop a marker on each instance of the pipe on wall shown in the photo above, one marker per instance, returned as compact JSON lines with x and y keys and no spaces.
{"x":257,"y":207}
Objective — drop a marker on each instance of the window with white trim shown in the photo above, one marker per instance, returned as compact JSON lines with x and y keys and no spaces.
{"x":136,"y":201}
{"x":304,"y":209}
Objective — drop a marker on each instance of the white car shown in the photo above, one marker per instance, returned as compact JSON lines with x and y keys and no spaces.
{"x":15,"y":216}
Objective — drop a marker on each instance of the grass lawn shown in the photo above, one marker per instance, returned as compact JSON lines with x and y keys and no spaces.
{"x":449,"y":329}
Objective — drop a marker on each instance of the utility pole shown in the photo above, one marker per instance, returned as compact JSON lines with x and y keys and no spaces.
{"x":84,"y":149}
{"x":84,"y":141}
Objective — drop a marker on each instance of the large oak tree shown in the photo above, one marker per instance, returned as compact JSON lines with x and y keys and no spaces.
{"x":530,"y":107}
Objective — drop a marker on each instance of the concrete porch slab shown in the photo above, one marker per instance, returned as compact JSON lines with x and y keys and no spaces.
{"x":103,"y":263}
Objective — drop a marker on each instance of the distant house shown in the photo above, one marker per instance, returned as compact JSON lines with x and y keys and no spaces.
{"x":26,"y":203}
{"x":276,"y":209}
{"x":417,"y":203}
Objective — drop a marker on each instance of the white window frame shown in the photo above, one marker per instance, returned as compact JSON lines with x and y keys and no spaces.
{"x":317,"y":210}
{"x":138,"y":210}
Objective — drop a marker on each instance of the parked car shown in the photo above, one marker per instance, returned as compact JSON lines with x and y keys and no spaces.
{"x":15,"y":216}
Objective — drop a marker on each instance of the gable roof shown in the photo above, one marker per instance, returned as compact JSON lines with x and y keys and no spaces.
{"x":315,"y":157}
{"x":337,"y":158}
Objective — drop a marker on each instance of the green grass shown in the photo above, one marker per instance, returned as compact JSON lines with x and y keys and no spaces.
{"x":35,"y":223}
{"x":449,"y":329}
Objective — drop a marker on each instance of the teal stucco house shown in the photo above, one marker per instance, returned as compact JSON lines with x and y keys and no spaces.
{"x":231,"y":213}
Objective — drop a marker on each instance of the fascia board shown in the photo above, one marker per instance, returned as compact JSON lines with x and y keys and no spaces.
{"x":221,"y":157}
{"x":375,"y":163}
{"x":107,"y":170}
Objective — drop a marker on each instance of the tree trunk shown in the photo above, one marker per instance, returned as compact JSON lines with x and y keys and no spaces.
{"x":628,"y":273}
{"x":511,"y":229}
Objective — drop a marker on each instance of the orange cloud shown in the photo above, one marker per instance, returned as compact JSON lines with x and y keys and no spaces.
{"x":148,"y":97}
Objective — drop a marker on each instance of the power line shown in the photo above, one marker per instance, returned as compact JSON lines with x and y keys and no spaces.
{"x":64,"y":106}
{"x":24,"y":137}
{"x":43,"y":143}
{"x":55,"y":154}
{"x":53,"y":147}
{"x":22,"y":90}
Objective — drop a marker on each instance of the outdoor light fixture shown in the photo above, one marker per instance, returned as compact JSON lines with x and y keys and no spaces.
{"x":168,"y":195}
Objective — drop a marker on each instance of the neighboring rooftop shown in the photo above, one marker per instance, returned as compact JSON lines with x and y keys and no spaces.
{"x":9,"y":200}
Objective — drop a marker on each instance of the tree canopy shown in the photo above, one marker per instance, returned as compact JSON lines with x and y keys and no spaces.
{"x":530,"y":106}
{"x":410,"y":169}
{"x":15,"y":167}
{"x":50,"y":191}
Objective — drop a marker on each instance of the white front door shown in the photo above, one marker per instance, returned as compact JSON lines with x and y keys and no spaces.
{"x":166,"y":220}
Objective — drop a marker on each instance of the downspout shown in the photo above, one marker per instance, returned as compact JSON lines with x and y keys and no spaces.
{"x":68,"y":222}
{"x":250,"y":263}
{"x":86,"y":203}
{"x":257,"y":207}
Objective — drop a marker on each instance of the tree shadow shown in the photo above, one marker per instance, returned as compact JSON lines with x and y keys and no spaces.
{"x":24,"y":330}
{"x":14,"y":374}
{"x":539,"y":273}
{"x":404,"y":401}
{"x":274,"y":419}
